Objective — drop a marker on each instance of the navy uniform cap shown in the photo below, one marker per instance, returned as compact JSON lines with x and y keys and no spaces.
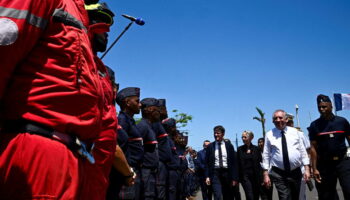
{"x":147,"y":102}
{"x":169,"y":122}
{"x":127,"y":92}
{"x":162,"y":102}
{"x":323,"y":98}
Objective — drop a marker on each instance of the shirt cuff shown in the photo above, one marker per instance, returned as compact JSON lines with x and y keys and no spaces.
{"x":265,"y":166}
{"x":306,"y":161}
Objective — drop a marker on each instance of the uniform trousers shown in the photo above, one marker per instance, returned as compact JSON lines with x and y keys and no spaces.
{"x":287,"y":183}
{"x":180,"y":192}
{"x":330,"y":171}
{"x":148,"y":183}
{"x":132,"y":192}
{"x":173,"y":178}
{"x":161,"y":181}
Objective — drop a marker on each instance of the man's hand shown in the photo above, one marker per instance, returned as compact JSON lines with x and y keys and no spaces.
{"x":234,"y":183}
{"x":307,"y":173}
{"x":130,"y":180}
{"x":207,"y":181}
{"x":267,"y":181}
{"x":317,"y":176}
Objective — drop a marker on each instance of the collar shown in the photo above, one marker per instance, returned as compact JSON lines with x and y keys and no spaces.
{"x":330,"y":119}
{"x":128,"y":116}
{"x":222,"y":142}
{"x":285,"y":129}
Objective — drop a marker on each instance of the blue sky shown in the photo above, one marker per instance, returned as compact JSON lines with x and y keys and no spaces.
{"x":218,"y":60}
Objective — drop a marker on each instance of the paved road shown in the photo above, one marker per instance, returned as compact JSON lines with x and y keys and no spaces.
{"x":309,"y":195}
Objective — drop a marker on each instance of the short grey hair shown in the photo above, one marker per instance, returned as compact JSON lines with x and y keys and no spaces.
{"x":280,"y":110}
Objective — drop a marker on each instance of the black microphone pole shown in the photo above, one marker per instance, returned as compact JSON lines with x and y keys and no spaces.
{"x":116,"y":40}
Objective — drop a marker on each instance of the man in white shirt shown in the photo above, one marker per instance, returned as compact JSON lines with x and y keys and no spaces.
{"x":285,"y":152}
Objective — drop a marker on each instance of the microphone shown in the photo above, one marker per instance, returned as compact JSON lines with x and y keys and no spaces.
{"x":138,"y":21}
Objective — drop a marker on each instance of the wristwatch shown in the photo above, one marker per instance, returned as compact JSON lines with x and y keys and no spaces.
{"x":132,"y":173}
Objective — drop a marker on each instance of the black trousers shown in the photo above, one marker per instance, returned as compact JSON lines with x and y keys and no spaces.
{"x":161,"y":181}
{"x":287,"y":183}
{"x":330,"y":171}
{"x":132,"y":192}
{"x":222,"y":186}
{"x":251,"y":186}
{"x":148,"y":183}
{"x":173,"y":178}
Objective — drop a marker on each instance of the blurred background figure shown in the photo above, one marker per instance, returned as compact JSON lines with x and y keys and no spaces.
{"x":265,"y":193}
{"x":206,"y":190}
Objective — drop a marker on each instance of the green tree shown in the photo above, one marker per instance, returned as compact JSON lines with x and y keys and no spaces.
{"x":182,"y":120}
{"x":261,"y":119}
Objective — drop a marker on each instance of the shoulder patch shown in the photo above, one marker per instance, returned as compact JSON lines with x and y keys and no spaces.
{"x":8,"y":31}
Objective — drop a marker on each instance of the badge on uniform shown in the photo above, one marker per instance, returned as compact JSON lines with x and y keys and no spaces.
{"x":348,"y":153}
{"x":331,"y":135}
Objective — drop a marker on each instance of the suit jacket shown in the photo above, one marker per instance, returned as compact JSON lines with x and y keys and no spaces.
{"x":232,"y":164}
{"x":201,"y":160}
{"x":256,"y":156}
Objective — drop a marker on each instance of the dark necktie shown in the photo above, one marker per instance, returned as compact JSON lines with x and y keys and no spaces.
{"x":285,"y":152}
{"x":221,"y":164}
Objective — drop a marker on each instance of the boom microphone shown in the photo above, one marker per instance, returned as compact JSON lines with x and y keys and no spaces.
{"x":138,"y":21}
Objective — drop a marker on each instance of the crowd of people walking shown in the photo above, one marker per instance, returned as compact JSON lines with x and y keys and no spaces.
{"x":283,"y":158}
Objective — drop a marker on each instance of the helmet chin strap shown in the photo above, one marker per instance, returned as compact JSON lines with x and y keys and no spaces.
{"x":90,"y":1}
{"x":97,"y":29}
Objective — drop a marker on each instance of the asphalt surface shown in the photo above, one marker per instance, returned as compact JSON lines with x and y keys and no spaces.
{"x":310,"y":195}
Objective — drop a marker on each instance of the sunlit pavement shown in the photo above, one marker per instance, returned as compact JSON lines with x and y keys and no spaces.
{"x":309,"y":195}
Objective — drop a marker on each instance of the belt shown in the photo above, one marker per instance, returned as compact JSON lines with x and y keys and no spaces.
{"x":276,"y":169}
{"x":341,"y":155}
{"x":334,"y":158}
{"x":72,"y":142}
{"x":221,"y":169}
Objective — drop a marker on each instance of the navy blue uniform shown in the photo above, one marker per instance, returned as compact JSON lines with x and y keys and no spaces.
{"x":134,"y":154}
{"x":150,"y":159}
{"x":135,"y":146}
{"x":164,"y":151}
{"x":173,"y":174}
{"x":332,"y":162}
{"x":183,"y":166}
{"x":115,"y":178}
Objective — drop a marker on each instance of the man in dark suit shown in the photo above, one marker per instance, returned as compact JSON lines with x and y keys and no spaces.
{"x":222,"y":168}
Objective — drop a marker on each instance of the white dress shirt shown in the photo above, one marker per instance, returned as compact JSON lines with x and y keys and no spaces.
{"x":305,"y":139}
{"x":273,"y":155}
{"x":224,"y":154}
